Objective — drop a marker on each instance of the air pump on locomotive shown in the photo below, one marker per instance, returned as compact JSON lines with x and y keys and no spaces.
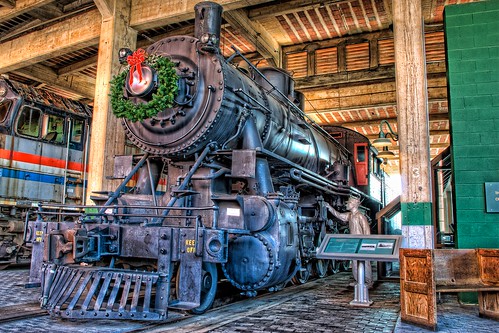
{"x":246,"y":176}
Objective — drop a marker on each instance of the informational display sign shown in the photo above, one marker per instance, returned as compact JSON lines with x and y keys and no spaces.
{"x":360,"y":247}
{"x":492,"y":197}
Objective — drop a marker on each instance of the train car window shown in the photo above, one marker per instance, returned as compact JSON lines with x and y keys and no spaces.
{"x":4,"y":109}
{"x":361,"y":153}
{"x":76,"y":131}
{"x":53,"y":128}
{"x":28,"y":122}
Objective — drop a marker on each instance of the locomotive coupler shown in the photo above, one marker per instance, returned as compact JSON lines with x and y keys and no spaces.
{"x":60,"y":245}
{"x":92,"y":245}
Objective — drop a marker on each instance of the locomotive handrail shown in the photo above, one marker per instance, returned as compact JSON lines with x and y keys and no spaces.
{"x":263,"y":107}
{"x":151,"y":183}
{"x":304,"y":170}
{"x":294,"y":107}
{"x":117,"y":214}
{"x":125,"y":181}
{"x":188,"y":177}
{"x":74,"y":207}
{"x":297,"y":175}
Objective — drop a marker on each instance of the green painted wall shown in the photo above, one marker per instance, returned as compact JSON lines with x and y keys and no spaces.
{"x":472,"y":38}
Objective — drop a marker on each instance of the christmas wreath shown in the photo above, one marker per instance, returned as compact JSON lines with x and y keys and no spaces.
{"x":161,"y":99}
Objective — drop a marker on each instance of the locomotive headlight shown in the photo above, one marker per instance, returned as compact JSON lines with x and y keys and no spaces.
{"x":213,"y":39}
{"x":142,"y":84}
{"x":3,"y":88}
{"x":123,"y":54}
{"x":205,"y":38}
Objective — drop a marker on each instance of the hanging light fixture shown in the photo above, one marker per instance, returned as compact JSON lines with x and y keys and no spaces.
{"x":386,"y":154}
{"x":385,"y":140}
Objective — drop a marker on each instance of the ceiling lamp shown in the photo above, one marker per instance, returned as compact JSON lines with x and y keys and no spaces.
{"x":385,"y":138}
{"x":384,"y":141}
{"x":386,"y":154}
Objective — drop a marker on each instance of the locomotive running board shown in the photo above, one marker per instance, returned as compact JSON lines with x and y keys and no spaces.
{"x":100,"y":293}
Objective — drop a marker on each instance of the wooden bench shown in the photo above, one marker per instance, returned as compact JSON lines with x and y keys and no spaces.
{"x":424,"y":272}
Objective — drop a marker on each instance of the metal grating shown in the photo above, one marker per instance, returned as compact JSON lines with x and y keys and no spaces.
{"x":104,"y":293}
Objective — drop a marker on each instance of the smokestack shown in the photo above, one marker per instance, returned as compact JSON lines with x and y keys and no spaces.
{"x":207,"y":25}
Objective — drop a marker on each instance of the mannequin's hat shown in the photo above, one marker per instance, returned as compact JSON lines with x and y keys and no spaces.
{"x":353,"y":199}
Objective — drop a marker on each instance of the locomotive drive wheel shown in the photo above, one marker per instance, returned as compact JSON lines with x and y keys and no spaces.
{"x":302,"y":276}
{"x":335,"y":266}
{"x":321,"y":265}
{"x":345,"y":265}
{"x":321,"y":268}
{"x":208,"y":288}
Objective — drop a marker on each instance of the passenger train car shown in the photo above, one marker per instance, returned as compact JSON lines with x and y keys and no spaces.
{"x":43,"y":149}
{"x":247,"y":177}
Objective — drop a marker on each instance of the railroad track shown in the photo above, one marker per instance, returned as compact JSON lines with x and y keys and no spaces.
{"x":23,"y":316}
{"x":21,"y":311}
{"x":224,"y":313}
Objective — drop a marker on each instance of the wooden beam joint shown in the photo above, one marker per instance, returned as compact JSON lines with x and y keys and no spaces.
{"x":8,"y":3}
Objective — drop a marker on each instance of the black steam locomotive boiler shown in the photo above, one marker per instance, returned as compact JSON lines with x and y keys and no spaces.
{"x":232,"y":184}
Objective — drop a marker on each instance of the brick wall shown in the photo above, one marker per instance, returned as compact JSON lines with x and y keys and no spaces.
{"x":472,"y":47}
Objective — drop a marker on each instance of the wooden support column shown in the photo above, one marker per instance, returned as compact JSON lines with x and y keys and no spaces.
{"x":108,"y":138}
{"x":414,"y":140}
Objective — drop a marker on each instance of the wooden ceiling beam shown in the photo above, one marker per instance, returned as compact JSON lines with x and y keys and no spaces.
{"x":148,"y":14}
{"x":83,"y":30}
{"x":375,"y":122}
{"x":21,"y":7}
{"x":79,"y":85}
{"x":254,"y":33}
{"x":396,"y":148}
{"x":360,"y":97}
{"x":106,"y":7}
{"x":78,"y":67}
{"x":64,"y":37}
{"x":281,"y":8}
{"x":320,"y":82}
{"x":8,"y":3}
{"x":184,"y":31}
{"x":47,"y":12}
{"x":432,"y":132}
{"x":23,"y":26}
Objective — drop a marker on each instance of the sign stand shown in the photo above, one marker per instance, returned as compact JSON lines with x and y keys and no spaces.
{"x":363,"y":249}
{"x":361,"y":292}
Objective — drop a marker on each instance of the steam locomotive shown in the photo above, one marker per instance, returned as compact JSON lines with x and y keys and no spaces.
{"x":246,"y":174}
{"x":43,"y":140}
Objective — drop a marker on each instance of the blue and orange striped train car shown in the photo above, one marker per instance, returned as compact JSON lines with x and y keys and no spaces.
{"x":43,"y":158}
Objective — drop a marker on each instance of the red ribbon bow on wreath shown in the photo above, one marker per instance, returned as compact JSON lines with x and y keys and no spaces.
{"x":135,"y":60}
